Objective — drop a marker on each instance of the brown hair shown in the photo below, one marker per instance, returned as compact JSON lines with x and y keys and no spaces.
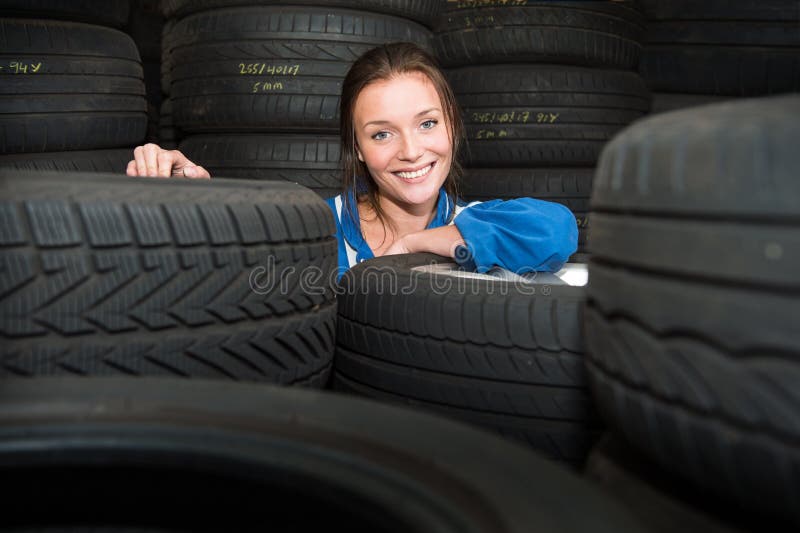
{"x":383,"y":63}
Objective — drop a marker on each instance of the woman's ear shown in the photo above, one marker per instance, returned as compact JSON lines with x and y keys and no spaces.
{"x":358,"y":152}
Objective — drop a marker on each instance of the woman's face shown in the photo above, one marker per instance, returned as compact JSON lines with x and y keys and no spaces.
{"x":403,"y":138}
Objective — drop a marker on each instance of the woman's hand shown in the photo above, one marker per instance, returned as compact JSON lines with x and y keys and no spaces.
{"x":152,"y":160}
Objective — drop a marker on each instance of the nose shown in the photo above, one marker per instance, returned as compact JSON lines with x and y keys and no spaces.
{"x":411,"y":149}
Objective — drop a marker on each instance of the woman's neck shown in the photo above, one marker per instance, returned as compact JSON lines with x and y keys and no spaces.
{"x":406,"y":218}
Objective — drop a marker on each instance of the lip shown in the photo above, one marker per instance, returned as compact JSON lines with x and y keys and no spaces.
{"x":414,"y":169}
{"x":432,"y":165}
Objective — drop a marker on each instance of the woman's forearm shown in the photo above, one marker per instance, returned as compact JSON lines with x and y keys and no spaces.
{"x":442,"y":241}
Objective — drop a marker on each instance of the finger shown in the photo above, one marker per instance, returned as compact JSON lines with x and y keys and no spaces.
{"x":141,"y":166}
{"x":151,"y":158}
{"x":165,"y":160}
{"x":131,"y":169}
{"x":179,"y":163}
{"x":196,"y":171}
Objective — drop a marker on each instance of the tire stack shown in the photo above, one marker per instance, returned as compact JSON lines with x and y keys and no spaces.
{"x":145,"y":26}
{"x":543,"y":86}
{"x":168,"y":135}
{"x":73,"y":95}
{"x":255,"y":85}
{"x":703,"y":52}
{"x":691,"y":329}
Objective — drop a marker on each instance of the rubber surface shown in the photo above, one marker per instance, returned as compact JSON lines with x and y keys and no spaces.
{"x":745,"y":48}
{"x":586,"y":33}
{"x":68,"y":86}
{"x":168,"y":135}
{"x":690,"y":319}
{"x":664,"y":501}
{"x":664,"y":102}
{"x":301,"y":457}
{"x":110,"y":275}
{"x":112,"y":161}
{"x":424,"y":11}
{"x":544,"y":115}
{"x":107,"y":12}
{"x":308,"y":160}
{"x":271,"y":68}
{"x":503,"y":355}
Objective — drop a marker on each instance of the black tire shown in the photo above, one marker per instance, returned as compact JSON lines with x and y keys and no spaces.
{"x":81,"y":89}
{"x":136,"y":276}
{"x":302,"y":458}
{"x":747,"y":48}
{"x":692,"y":301}
{"x":503,"y":355}
{"x":571,"y":187}
{"x":659,"y":498}
{"x":107,"y":12}
{"x":152,"y":81}
{"x":309,"y":160}
{"x":221,"y":63}
{"x":111,"y":161}
{"x":593,"y":33}
{"x":664,"y":102}
{"x":771,"y":10}
{"x":145,"y":27}
{"x":166,"y":56}
{"x":168,"y":135}
{"x":424,"y":11}
{"x":544,"y":115}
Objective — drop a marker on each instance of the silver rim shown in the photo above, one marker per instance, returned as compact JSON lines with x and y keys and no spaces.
{"x":572,"y":274}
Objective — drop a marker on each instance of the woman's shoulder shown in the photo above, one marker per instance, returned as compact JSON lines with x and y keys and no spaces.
{"x":461,"y":204}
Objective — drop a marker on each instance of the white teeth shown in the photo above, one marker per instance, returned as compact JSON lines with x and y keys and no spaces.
{"x":412,"y":175}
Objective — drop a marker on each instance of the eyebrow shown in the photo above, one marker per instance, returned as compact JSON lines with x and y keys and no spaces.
{"x":383,"y":122}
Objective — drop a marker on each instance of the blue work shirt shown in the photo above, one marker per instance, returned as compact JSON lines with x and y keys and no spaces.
{"x":521,"y":235}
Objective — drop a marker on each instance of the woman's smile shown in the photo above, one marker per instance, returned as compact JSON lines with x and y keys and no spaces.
{"x":415,"y":175}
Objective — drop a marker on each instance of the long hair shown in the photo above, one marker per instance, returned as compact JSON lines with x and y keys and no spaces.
{"x":379,"y":64}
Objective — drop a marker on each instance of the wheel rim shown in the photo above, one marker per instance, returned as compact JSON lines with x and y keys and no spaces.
{"x":572,"y":274}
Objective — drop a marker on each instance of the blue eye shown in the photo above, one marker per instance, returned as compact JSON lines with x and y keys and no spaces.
{"x":380,"y":136}
{"x":429,"y":124}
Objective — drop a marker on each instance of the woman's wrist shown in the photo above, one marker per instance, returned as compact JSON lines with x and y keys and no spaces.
{"x":441,"y":241}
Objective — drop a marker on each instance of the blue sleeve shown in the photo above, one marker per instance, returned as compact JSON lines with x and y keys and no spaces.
{"x":521,"y":235}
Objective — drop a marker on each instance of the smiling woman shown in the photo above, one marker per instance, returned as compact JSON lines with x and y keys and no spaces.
{"x":408,"y":154}
{"x":400,"y":132}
